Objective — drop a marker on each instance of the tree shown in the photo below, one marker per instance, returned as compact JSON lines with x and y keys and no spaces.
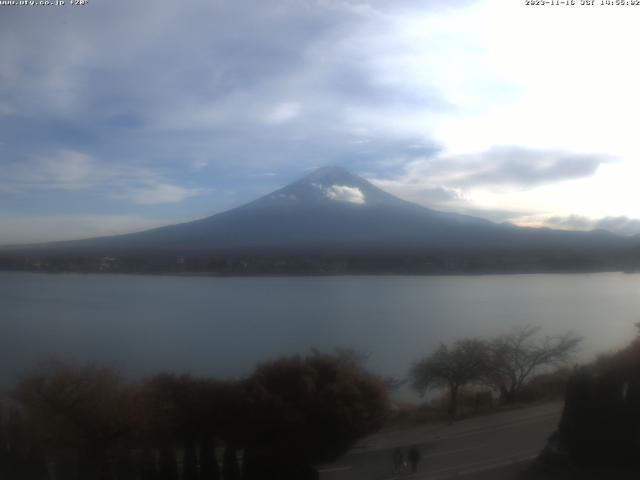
{"x":167,"y":463}
{"x":291,"y":414}
{"x":147,"y":465}
{"x":190,"y":461}
{"x":179,"y":411}
{"x":601,"y":416}
{"x":230,"y":468}
{"x":21,"y":455}
{"x":306,"y":410}
{"x":79,"y":414}
{"x":451,"y":367}
{"x":516,"y":357}
{"x":209,"y":468}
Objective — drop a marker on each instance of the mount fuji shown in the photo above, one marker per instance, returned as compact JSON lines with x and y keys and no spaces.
{"x":334,"y":212}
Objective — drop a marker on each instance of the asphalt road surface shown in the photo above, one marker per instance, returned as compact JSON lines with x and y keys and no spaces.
{"x":495,"y":446}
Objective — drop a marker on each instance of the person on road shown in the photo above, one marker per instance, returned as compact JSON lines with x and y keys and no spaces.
{"x":398,"y":460}
{"x":414,"y":458}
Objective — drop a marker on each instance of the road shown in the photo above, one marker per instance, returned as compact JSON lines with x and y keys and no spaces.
{"x":494,"y":446}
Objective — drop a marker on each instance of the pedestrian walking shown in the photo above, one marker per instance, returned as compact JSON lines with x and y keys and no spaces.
{"x":414,"y":458}
{"x":398,"y":460}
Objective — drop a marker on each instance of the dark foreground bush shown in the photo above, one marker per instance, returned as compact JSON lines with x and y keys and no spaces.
{"x":600,"y":425}
{"x":71,"y":423}
{"x":304,"y":411}
{"x":546,"y":386}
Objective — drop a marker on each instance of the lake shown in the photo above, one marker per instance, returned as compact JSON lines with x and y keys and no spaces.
{"x":223,"y":326}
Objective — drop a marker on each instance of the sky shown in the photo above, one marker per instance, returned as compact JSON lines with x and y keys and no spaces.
{"x":120,"y":116}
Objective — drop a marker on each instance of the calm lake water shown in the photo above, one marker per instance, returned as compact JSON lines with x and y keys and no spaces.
{"x":223,"y":326}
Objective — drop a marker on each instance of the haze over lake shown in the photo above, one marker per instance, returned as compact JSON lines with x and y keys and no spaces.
{"x":223,"y":326}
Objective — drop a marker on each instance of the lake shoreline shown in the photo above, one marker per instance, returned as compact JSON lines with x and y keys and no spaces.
{"x":326,"y":275}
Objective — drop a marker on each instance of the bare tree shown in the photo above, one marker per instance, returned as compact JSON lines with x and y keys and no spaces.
{"x":516,"y":357}
{"x":451,"y":367}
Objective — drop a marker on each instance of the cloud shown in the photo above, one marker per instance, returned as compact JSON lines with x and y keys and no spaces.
{"x":422,"y":192}
{"x":72,"y":170}
{"x":344,"y":193}
{"x":570,"y":222}
{"x":463,"y":183}
{"x":524,"y":167}
{"x":44,"y":228}
{"x":162,"y":100}
{"x":6,"y":109}
{"x":69,"y":167}
{"x":157,"y":193}
{"x":620,"y":225}
{"x":64,"y":169}
{"x":283,"y":112}
{"x":506,"y":166}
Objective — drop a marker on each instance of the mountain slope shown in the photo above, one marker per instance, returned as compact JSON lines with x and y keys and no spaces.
{"x":332,"y":211}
